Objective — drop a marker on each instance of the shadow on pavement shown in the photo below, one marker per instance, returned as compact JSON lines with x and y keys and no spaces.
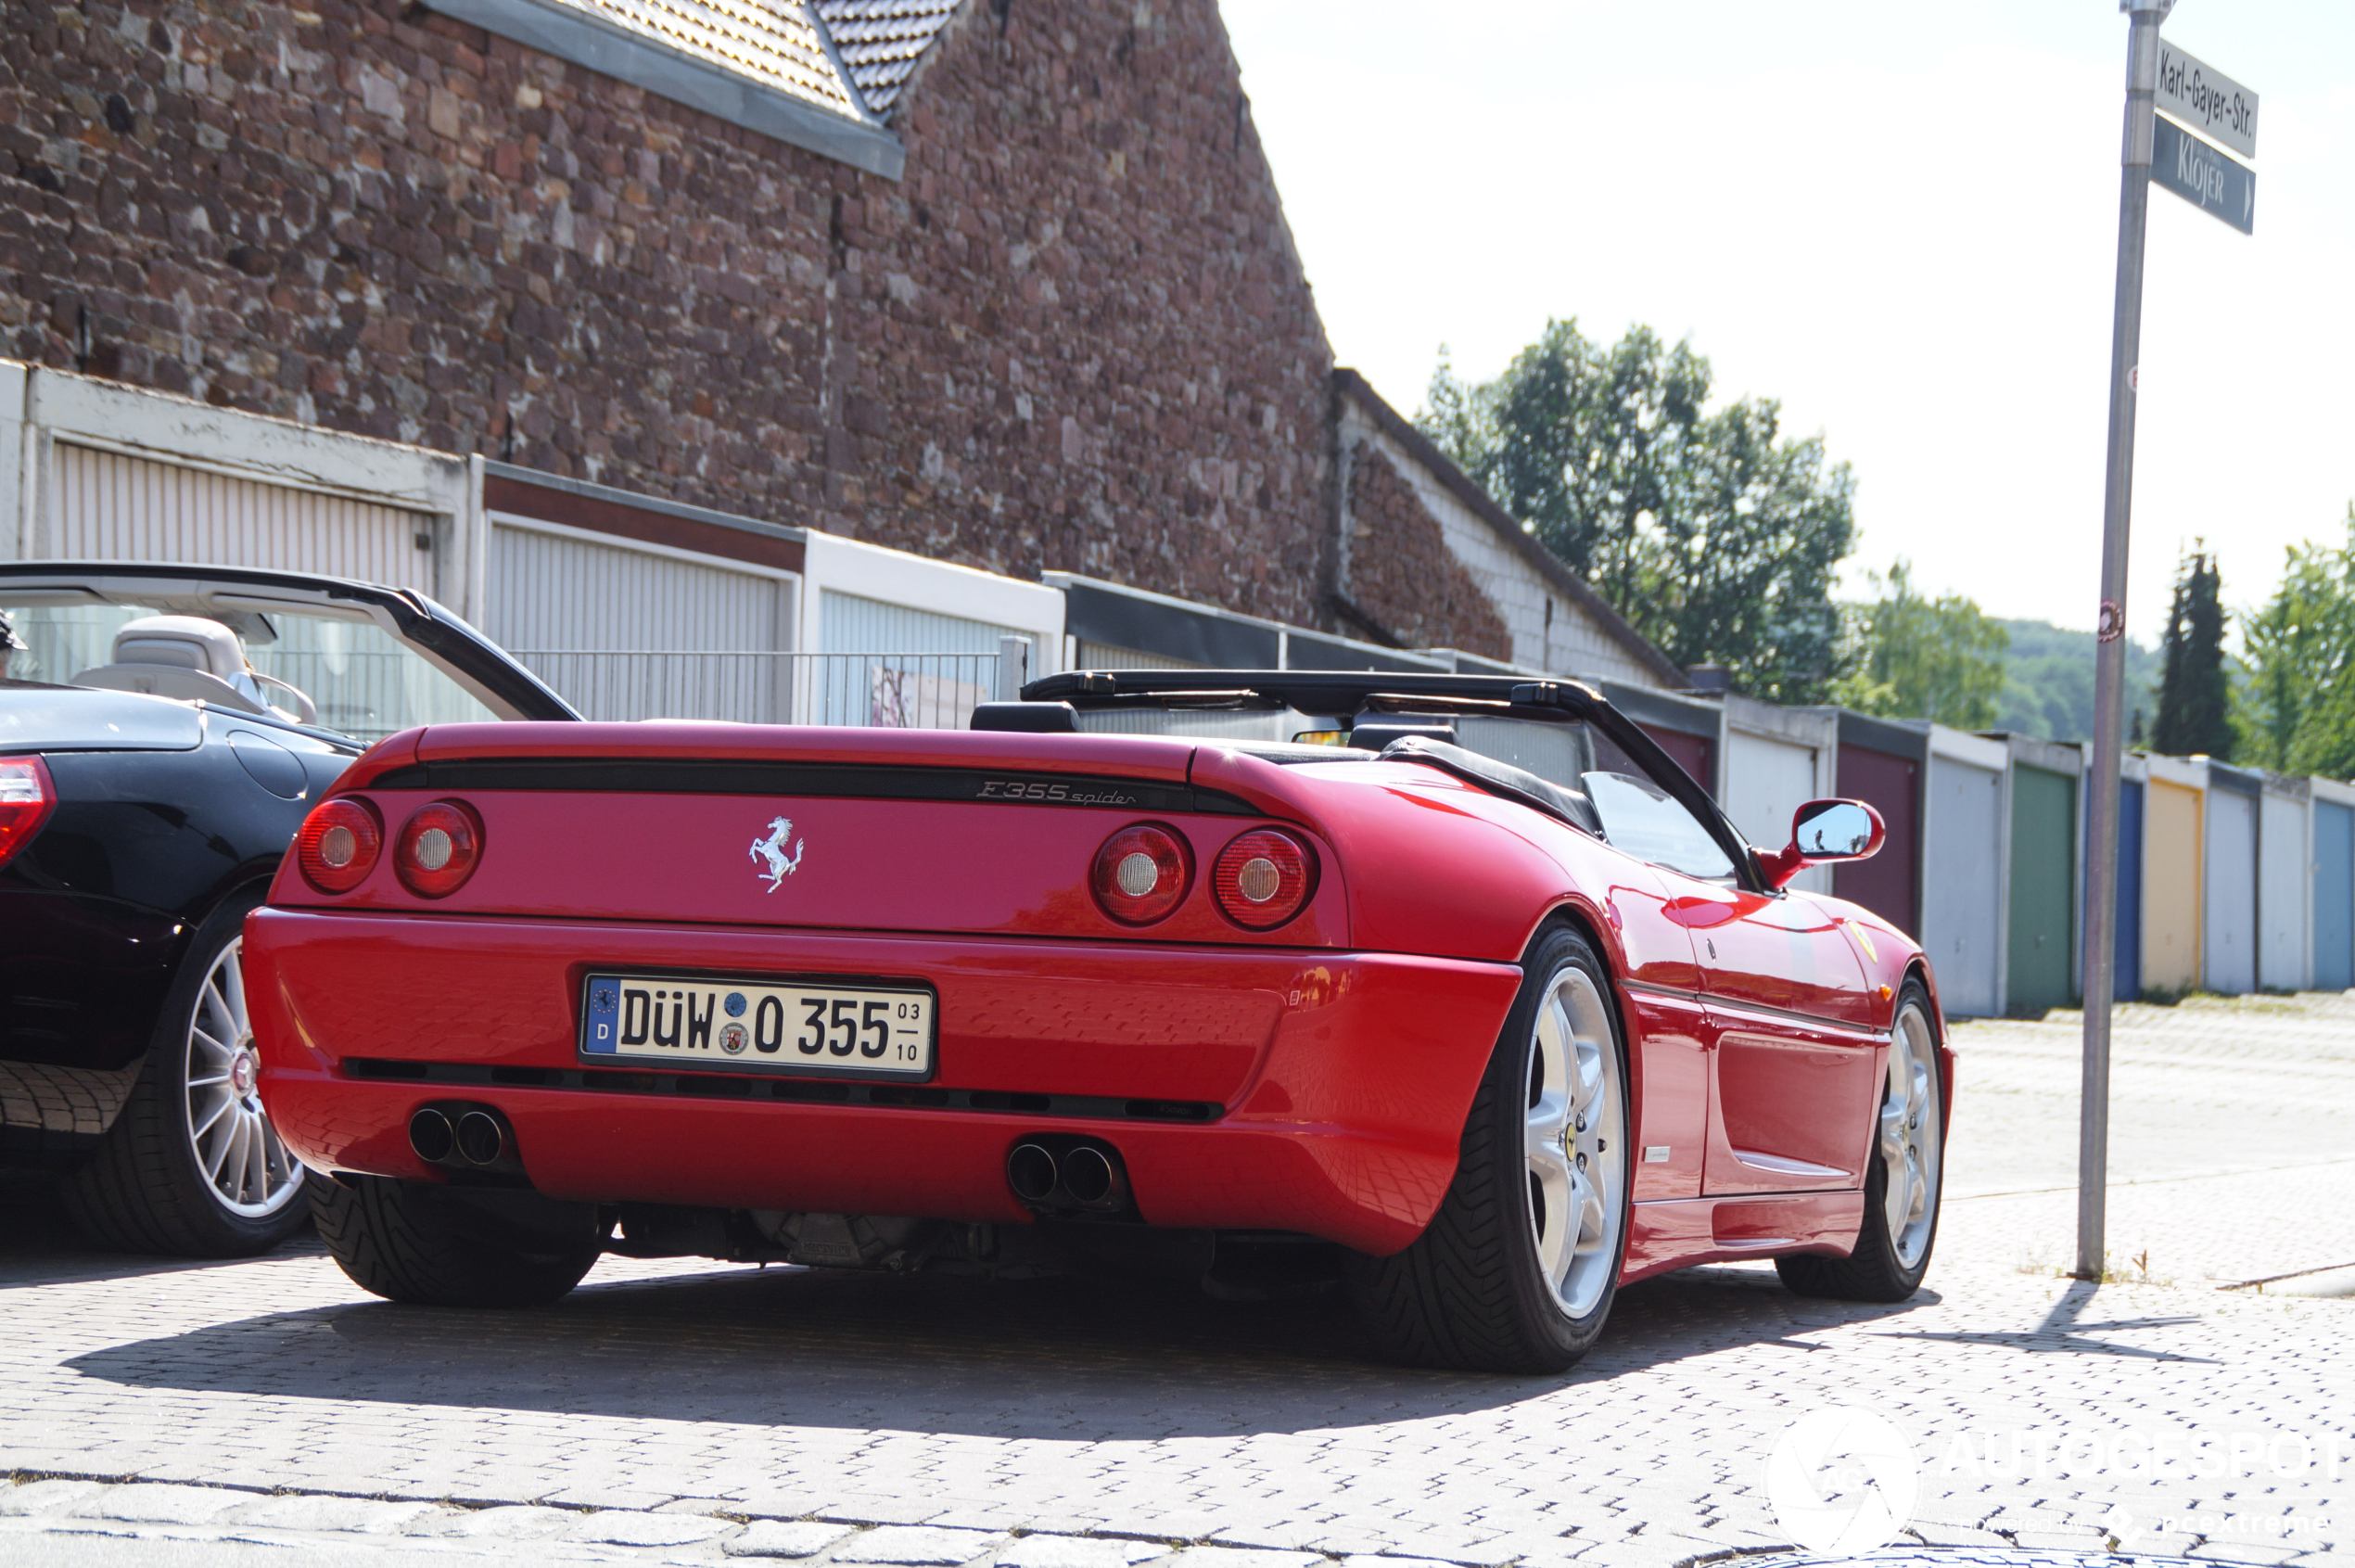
{"x":39,"y":1246}
{"x":1061,"y":1360}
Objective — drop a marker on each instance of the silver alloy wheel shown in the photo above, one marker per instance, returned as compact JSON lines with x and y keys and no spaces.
{"x":238,"y":1151}
{"x":1576,"y":1146}
{"x":1909,"y":1135}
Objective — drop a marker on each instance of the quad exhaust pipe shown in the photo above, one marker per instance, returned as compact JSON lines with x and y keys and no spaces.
{"x":464,"y":1138}
{"x":1033,"y":1172}
{"x":1058,"y":1174}
{"x":431,"y":1135}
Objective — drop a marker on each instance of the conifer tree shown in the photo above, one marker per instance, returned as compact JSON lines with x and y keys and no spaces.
{"x":2194,"y":698}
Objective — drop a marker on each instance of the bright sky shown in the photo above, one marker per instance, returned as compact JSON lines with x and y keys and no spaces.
{"x":1899,"y":219}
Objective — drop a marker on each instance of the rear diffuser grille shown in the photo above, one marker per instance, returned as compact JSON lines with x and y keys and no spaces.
{"x":717,"y":1086}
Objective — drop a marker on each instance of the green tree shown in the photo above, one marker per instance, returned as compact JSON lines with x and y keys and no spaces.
{"x":1714,"y":535}
{"x":2195,"y":695}
{"x":2296,"y":711}
{"x":1910,"y":657}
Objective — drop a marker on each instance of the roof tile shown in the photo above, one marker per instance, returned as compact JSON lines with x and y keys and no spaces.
{"x":882,"y":40}
{"x":774,"y":42}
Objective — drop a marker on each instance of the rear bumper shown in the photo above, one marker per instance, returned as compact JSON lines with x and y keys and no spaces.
{"x":1341,"y":1082}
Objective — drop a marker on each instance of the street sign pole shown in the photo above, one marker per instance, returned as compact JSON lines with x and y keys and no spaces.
{"x":2109,"y":656}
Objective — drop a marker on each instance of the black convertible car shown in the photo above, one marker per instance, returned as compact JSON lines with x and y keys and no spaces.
{"x":163,"y":731}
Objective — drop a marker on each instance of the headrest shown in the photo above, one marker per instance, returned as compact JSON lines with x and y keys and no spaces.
{"x":180,"y":641}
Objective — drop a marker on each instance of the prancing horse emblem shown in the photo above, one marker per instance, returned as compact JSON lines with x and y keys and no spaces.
{"x":772,"y":849}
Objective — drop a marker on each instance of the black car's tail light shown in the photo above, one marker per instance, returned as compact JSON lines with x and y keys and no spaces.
{"x":1141,"y":874}
{"x":439,"y":848}
{"x":1262,"y":879}
{"x":337,"y":845}
{"x":26,"y":798}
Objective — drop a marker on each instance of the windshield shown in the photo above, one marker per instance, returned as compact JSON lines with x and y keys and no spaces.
{"x":1642,"y":820}
{"x":349,"y":676}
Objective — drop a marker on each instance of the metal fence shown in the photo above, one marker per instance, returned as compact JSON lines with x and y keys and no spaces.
{"x":892,"y":690}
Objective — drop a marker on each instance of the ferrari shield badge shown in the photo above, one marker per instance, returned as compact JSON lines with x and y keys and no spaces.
{"x":777,"y":865}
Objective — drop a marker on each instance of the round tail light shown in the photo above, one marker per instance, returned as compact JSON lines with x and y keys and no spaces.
{"x":1262,"y":879}
{"x":439,"y":848}
{"x":1141,"y":874}
{"x":337,"y":845}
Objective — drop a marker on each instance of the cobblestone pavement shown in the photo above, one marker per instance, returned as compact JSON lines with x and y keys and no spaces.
{"x":695,"y":1413}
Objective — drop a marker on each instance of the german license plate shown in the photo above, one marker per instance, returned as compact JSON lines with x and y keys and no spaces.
{"x":812,"y":1027}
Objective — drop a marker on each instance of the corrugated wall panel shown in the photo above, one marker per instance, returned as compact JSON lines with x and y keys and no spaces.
{"x":851,"y":625}
{"x":2282,"y":963}
{"x":2228,"y":929}
{"x":1960,"y":886}
{"x":2174,"y":832}
{"x":550,"y":591}
{"x":108,"y":506}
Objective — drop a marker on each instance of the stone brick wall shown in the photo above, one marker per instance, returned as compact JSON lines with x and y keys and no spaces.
{"x":1402,"y":573}
{"x":1076,"y":336}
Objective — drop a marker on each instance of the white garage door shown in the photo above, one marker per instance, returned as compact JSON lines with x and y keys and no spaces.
{"x":1960,"y":886}
{"x":110,"y":507}
{"x":2228,"y":943}
{"x":1766,"y":782}
{"x":2282,"y":894}
{"x":625,"y":633}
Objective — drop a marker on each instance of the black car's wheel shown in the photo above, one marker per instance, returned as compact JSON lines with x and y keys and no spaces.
{"x":1517,"y":1272}
{"x":192,"y":1164}
{"x":410,"y":1241}
{"x":1902,"y":1182}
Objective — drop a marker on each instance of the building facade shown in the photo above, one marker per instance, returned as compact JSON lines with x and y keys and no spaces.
{"x":1002,"y":283}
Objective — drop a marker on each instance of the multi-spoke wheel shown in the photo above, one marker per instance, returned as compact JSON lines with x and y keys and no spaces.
{"x":249,"y":1170}
{"x":1517,"y":1272}
{"x":192,"y":1164}
{"x":1577,"y":1192}
{"x":1900,"y":1189}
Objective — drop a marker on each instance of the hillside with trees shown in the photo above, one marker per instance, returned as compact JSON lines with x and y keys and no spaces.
{"x":2048,"y":683}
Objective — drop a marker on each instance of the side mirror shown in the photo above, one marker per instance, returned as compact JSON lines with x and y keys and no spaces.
{"x":1822,"y":832}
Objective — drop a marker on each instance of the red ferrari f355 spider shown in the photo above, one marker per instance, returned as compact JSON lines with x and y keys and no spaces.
{"x":1452,"y":989}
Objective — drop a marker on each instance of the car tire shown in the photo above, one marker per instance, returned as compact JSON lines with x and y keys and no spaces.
{"x":428,"y":1245}
{"x":148,"y":1187}
{"x":1503,"y":1281}
{"x":1900,"y":1231}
